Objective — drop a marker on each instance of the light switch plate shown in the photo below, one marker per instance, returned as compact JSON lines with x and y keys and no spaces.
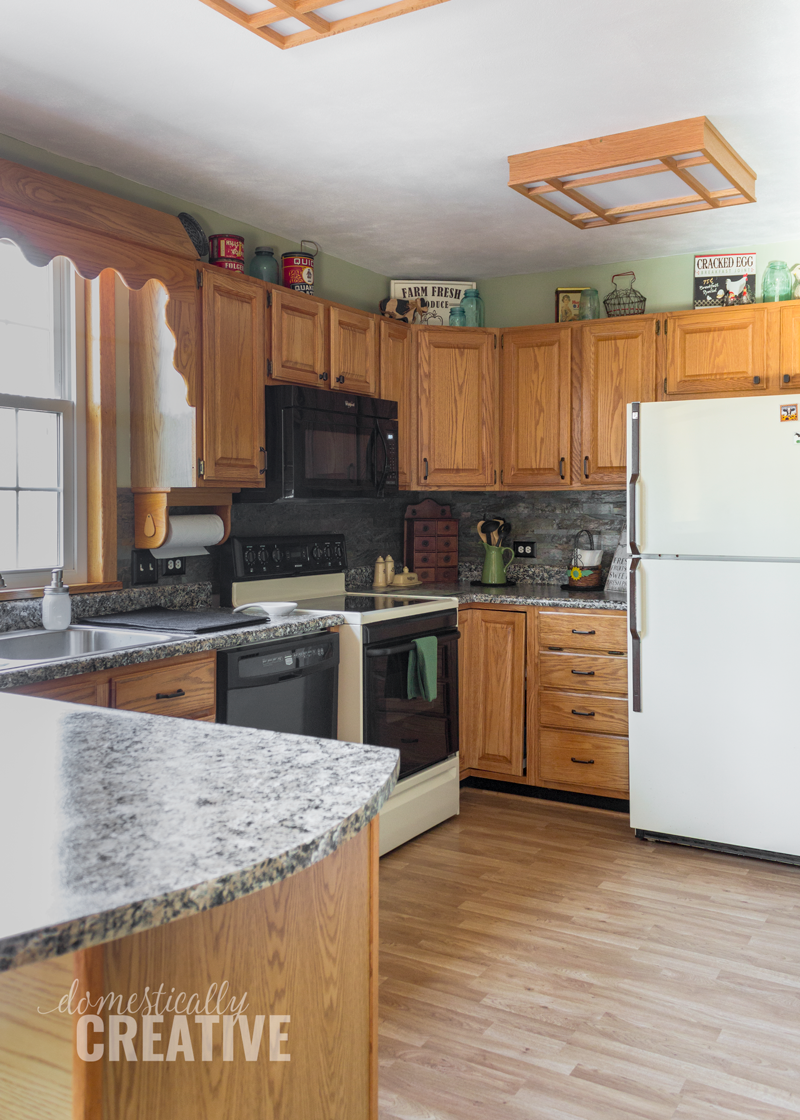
{"x":524,"y":550}
{"x":143,"y":567}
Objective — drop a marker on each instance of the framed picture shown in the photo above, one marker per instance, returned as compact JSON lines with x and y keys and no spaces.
{"x":567,"y":304}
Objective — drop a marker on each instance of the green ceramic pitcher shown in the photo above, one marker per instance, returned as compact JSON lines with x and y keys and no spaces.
{"x":494,"y":569}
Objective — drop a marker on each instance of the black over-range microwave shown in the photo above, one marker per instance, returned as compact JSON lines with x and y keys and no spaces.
{"x":326,"y":444}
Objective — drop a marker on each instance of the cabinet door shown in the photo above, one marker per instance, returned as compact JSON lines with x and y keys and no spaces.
{"x":492,"y":690}
{"x":789,"y":363}
{"x":724,"y":352}
{"x":618,"y":365}
{"x":354,"y":358}
{"x":456,"y":412}
{"x":536,"y":411}
{"x":298,"y":339}
{"x":397,"y":384}
{"x":87,"y":688}
{"x":234,"y":322}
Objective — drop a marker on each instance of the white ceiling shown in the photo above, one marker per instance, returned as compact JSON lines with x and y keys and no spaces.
{"x":388,"y":144}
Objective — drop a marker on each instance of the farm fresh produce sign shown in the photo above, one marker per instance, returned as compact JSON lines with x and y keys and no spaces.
{"x":724,"y":279}
{"x":440,"y":294}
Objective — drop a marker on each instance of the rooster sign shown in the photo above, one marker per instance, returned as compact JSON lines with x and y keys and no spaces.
{"x":724,"y":279}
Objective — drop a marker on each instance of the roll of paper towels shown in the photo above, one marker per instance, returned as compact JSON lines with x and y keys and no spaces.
{"x":188,"y":534}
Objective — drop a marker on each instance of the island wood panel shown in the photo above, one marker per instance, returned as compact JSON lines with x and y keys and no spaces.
{"x":298,"y":339}
{"x":617,"y":366}
{"x":299,"y":948}
{"x":353,"y":351}
{"x":234,"y":357}
{"x":535,"y":408}
{"x":723,"y":353}
{"x":397,"y":383}
{"x":492,"y":690}
{"x":456,"y":417}
{"x":36,"y":1051}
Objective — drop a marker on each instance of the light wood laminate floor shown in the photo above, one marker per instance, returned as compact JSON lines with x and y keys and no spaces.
{"x":539,"y":962}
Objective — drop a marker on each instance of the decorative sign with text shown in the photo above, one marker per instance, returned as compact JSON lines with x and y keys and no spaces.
{"x":440,"y":294}
{"x":724,"y":279}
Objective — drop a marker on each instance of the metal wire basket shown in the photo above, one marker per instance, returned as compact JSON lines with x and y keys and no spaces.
{"x":624,"y":301}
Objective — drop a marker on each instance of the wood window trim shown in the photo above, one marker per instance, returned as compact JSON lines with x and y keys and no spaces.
{"x":9,"y":594}
{"x":101,"y":430}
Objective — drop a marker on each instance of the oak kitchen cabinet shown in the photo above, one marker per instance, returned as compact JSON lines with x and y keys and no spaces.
{"x":323,"y":344}
{"x":183,"y":686}
{"x":492,"y":690}
{"x":397,"y":383}
{"x":456,"y":415}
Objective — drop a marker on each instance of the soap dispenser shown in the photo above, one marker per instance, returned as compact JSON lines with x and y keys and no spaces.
{"x":56,"y":607}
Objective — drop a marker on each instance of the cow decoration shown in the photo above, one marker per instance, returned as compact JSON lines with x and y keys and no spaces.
{"x":405,"y":309}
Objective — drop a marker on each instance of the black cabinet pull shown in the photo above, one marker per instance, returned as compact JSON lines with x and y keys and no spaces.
{"x":340,"y":379}
{"x":263,"y":450}
{"x":409,"y":740}
{"x":756,"y":380}
{"x":584,"y":632}
{"x":586,"y":466}
{"x":583,"y":672}
{"x":323,"y":377}
{"x":575,"y":712}
{"x":170,"y":695}
{"x":425,"y":475}
{"x":561,"y":468}
{"x":584,"y":761}
{"x":559,"y":648}
{"x":786,"y":378}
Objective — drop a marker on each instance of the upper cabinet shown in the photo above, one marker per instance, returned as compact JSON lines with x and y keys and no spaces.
{"x":617,"y":366}
{"x":397,"y":383}
{"x":722,"y":351}
{"x":535,"y":408}
{"x":456,"y":411}
{"x":322,"y":344}
{"x":234,"y":345}
{"x":789,"y":363}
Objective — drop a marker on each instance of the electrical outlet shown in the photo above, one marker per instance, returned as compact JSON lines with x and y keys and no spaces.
{"x":524,"y":550}
{"x":143,"y":567}
{"x":176,"y":566}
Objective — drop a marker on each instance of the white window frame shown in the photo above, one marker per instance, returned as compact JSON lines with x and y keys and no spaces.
{"x":69,"y":356}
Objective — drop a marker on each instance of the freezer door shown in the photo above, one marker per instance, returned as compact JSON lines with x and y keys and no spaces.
{"x":717,"y":478}
{"x":715,"y":750}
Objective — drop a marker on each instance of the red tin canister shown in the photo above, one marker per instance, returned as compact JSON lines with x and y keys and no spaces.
{"x":225,"y":247}
{"x":231,"y":266}
{"x":298,"y":272}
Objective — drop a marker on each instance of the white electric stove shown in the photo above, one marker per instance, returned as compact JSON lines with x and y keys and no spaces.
{"x":374,"y":643}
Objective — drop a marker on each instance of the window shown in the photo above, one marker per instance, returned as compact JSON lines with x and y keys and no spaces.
{"x":42,"y":468}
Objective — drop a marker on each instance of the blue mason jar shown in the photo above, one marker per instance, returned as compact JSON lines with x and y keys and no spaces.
{"x":263,"y":265}
{"x":458,"y":317}
{"x":473,"y":308}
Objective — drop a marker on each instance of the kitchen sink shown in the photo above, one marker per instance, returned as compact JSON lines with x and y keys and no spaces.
{"x":34,"y":647}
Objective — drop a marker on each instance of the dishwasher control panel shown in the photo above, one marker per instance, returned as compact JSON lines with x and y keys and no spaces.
{"x":278,"y":660}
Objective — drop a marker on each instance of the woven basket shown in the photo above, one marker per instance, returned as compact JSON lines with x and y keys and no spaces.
{"x":624,"y":301}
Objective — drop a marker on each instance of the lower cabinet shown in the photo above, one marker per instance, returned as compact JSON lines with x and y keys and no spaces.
{"x":543,"y":697}
{"x":178,"y":686}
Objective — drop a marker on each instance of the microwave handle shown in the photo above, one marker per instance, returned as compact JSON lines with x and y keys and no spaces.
{"x":379,"y":485}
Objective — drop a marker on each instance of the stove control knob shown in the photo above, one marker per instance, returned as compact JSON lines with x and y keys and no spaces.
{"x":316,"y":552}
{"x":276,"y":554}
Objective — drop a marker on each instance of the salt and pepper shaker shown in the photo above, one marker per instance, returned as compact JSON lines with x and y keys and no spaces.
{"x":379,"y":579}
{"x":389,"y":569}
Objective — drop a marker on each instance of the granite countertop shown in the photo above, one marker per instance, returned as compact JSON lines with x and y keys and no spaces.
{"x":526,"y":594}
{"x":114,"y":822}
{"x":289,"y":627}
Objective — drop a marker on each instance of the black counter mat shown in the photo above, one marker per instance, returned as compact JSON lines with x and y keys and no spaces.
{"x":189,"y":622}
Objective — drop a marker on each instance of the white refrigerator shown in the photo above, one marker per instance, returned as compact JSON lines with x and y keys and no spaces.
{"x":714,"y":615}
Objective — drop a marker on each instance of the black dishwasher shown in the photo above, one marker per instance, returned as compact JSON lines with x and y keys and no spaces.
{"x":288,"y":686}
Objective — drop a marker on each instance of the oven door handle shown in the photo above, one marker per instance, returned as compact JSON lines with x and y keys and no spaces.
{"x":386,"y":651}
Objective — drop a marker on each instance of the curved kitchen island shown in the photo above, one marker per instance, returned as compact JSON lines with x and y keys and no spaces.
{"x":148,"y":855}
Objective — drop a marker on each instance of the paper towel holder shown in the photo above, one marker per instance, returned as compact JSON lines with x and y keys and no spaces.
{"x":151,"y":511}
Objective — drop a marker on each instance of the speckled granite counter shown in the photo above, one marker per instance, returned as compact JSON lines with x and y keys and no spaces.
{"x":526,"y":595}
{"x":291,"y":626}
{"x":114,"y":822}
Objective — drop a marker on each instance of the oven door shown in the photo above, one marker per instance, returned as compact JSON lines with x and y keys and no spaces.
{"x":425,"y":732}
{"x":332,"y":454}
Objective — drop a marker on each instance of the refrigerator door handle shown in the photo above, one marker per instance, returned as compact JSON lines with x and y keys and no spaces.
{"x":636,"y":639}
{"x":633,"y":479}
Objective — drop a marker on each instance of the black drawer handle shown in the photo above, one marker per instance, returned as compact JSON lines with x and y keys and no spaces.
{"x":561,"y":468}
{"x":409,"y":740}
{"x":583,"y":672}
{"x":587,"y":632}
{"x":584,"y":761}
{"x":170,"y":695}
{"x":575,"y":712}
{"x":559,"y":648}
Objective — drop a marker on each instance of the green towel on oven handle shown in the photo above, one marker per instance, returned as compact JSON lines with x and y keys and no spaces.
{"x":422,"y":668}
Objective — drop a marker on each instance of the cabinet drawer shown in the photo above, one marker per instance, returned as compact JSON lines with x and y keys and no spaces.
{"x":447,"y":575}
{"x":447,"y":528}
{"x":424,"y":544}
{"x":568,"y":630}
{"x":583,"y":671}
{"x":424,"y":529}
{"x":568,"y":757}
{"x":424,"y":560}
{"x":575,"y":711}
{"x":427,"y":575}
{"x":181,"y":689}
{"x":446,"y":544}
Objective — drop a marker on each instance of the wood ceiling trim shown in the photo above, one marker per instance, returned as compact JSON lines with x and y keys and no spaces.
{"x":304,"y":10}
{"x":662,"y":148}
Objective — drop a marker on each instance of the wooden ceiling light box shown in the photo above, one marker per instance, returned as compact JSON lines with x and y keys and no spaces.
{"x":593,"y":183}
{"x":305,"y":12}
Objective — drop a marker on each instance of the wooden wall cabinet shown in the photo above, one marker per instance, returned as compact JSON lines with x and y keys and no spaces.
{"x":617,"y":366}
{"x":398,"y":383}
{"x":729,"y":351}
{"x":353,"y":350}
{"x":491,"y":685}
{"x":457,"y":409}
{"x":789,"y":362}
{"x":535,"y":408}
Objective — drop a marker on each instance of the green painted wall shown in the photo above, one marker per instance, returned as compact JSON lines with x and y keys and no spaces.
{"x":667,"y":282}
{"x":335,"y":279}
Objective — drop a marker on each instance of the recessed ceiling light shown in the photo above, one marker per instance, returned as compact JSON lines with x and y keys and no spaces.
{"x":583,"y":183}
